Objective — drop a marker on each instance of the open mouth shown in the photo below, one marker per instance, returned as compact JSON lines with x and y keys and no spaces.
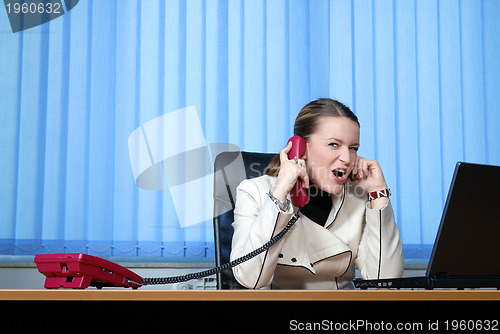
{"x":339,"y":174}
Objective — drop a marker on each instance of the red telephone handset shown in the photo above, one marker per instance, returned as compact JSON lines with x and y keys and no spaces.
{"x":298,"y":193}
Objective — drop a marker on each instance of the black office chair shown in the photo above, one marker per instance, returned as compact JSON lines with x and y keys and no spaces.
{"x":230,"y":169}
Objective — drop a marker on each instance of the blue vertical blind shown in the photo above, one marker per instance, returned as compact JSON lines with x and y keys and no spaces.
{"x":422,"y":76}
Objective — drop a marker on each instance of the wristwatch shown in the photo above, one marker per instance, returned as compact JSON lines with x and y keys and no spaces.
{"x":282,"y":206}
{"x":379,"y":194}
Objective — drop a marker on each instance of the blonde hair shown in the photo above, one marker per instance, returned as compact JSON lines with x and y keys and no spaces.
{"x":307,"y":122}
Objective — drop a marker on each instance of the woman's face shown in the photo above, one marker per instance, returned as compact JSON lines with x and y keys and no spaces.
{"x":332,"y":152}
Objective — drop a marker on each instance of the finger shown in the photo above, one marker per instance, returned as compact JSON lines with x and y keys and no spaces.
{"x":359,"y":167}
{"x":365,"y":168}
{"x":305,"y":179}
{"x":374,"y":168}
{"x":373,"y":165}
{"x":284,"y":152}
{"x":355,"y":168}
{"x":301,"y":162}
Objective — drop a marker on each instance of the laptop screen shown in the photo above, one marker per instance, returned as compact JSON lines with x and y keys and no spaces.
{"x":468,"y":242}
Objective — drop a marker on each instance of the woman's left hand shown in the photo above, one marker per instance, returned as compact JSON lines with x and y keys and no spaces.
{"x":369,"y":175}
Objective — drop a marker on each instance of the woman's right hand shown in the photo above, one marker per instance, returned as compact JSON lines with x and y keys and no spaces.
{"x":290,"y":171}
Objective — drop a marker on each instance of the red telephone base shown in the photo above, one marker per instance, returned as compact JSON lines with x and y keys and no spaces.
{"x":79,"y":271}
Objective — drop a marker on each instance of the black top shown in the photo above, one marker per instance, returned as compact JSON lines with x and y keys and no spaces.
{"x":319,"y":206}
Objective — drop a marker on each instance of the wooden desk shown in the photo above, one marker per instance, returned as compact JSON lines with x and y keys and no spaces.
{"x":249,"y":295}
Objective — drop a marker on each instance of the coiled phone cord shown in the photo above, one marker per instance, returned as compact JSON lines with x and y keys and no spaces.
{"x":225,"y":266}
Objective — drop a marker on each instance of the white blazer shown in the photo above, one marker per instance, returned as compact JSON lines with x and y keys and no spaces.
{"x":311,"y":256}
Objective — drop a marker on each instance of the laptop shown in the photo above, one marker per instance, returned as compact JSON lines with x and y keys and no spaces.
{"x":466,"y":252}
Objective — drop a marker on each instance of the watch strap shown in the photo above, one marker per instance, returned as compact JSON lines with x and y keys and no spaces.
{"x":282,"y":206}
{"x":379,"y":194}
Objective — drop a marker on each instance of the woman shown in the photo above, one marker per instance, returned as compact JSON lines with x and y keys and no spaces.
{"x":338,"y":229}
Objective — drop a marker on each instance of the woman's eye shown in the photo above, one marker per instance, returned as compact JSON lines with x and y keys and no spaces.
{"x":333,"y":144}
{"x":355,"y":149}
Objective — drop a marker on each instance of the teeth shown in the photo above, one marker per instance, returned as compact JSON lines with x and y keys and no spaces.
{"x":338,"y":173}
